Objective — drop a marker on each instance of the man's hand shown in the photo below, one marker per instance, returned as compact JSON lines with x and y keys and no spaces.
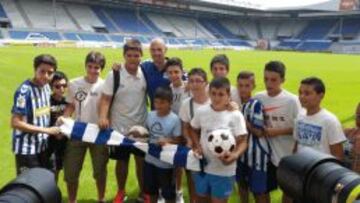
{"x":116,"y":66}
{"x":104,"y":123}
{"x":228,"y":157}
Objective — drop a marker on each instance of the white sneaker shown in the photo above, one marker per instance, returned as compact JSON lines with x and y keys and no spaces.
{"x":161,"y":199}
{"x":179,"y":197}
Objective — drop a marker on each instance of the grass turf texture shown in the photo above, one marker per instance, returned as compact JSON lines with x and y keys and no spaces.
{"x":339,"y":72}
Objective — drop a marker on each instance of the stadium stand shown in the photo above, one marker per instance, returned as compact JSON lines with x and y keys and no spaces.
{"x":22,"y":35}
{"x":347,"y":28}
{"x":108,"y":23}
{"x":2,"y":12}
{"x":40,"y":15}
{"x":215,"y":27}
{"x":13,"y":14}
{"x":128,"y":21}
{"x":317,"y":29}
{"x":84,"y":17}
{"x":314,"y":45}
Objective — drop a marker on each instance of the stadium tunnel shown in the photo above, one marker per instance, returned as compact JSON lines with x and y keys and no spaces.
{"x":313,"y":177}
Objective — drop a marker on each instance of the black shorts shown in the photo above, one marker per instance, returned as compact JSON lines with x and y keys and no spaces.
{"x":24,"y":162}
{"x":156,"y":179}
{"x":123,"y":153}
{"x":56,"y":152}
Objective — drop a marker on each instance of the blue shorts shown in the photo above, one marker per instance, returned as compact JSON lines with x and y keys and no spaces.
{"x":257,"y":181}
{"x":212,"y":185}
{"x":156,"y":179}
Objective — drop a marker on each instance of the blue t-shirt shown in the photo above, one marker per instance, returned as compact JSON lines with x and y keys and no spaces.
{"x":161,"y":127}
{"x":32,"y":102}
{"x":154,"y":79}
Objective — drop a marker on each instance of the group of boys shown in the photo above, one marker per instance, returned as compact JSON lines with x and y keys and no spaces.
{"x":184,"y":109}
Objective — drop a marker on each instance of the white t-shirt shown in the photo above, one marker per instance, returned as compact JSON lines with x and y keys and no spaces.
{"x":86,"y":97}
{"x":318,"y":131}
{"x":184,"y":112}
{"x":208,"y":120}
{"x":179,"y":94}
{"x":129,"y":105}
{"x":280,"y":112}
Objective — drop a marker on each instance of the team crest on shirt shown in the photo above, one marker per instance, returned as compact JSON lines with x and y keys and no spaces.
{"x":24,"y":89}
{"x":80,"y":95}
{"x":21,"y":101}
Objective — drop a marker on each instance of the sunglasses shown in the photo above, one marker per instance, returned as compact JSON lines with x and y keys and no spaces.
{"x":60,"y":86}
{"x":357,"y":116}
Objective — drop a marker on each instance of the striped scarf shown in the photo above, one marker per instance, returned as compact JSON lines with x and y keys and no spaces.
{"x":177,"y":155}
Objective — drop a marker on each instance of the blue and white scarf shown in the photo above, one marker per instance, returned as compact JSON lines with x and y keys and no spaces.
{"x":177,"y":155}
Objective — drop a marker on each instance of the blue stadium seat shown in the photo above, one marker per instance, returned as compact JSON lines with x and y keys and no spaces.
{"x":173,"y":41}
{"x":289,"y":44}
{"x":14,"y":34}
{"x":71,"y":36}
{"x":127,"y":21}
{"x":148,"y":21}
{"x":215,"y":27}
{"x":117,"y":38}
{"x":350,"y":27}
{"x":314,"y":45}
{"x":2,"y":12}
{"x":238,"y":42}
{"x":104,"y":19}
{"x":93,"y":37}
{"x":317,"y":29}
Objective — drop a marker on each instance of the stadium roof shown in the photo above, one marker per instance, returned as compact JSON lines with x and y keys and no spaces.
{"x":281,"y":5}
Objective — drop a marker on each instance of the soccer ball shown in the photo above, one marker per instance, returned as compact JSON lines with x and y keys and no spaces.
{"x":138,"y":133}
{"x":221,"y":141}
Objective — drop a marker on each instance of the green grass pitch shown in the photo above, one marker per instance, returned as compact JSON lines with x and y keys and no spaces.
{"x":339,"y":72}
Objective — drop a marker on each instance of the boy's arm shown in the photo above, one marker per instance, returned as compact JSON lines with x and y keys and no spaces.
{"x":274,"y":132}
{"x":241,"y":145}
{"x":195,"y":139}
{"x":186,"y":133}
{"x":104,"y":106}
{"x":18,"y":122}
{"x":337,"y":151}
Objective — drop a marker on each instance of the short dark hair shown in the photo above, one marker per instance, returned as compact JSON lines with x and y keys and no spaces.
{"x":132,"y":44}
{"x":245,"y":75}
{"x":220,"y":82}
{"x":220,"y":58}
{"x":164,"y":93}
{"x":277,"y":67}
{"x":317,"y":84}
{"x":174,"y":61}
{"x":45,"y":59}
{"x":95,"y":57}
{"x":198,"y":71}
{"x":58,"y":75}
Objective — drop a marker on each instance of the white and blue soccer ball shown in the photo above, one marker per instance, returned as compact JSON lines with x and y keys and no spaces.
{"x":221,"y":141}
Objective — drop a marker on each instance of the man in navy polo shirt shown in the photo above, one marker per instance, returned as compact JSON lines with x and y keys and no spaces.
{"x":154,"y":70}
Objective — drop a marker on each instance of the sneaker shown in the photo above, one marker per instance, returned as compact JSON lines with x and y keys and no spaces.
{"x":161,"y":199}
{"x":179,"y":197}
{"x":120,"y":197}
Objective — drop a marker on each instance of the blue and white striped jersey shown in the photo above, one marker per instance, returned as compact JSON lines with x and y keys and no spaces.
{"x":32,"y":102}
{"x":257,"y":154}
